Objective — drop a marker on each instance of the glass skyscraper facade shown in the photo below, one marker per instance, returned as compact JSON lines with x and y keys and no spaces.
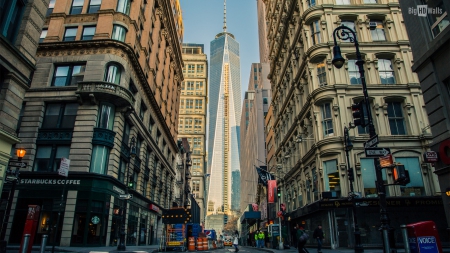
{"x":224,"y":125}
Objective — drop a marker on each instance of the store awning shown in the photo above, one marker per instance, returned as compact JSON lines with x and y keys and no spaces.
{"x":246,"y":216}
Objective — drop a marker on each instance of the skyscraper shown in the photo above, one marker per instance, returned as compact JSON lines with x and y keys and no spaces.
{"x":224,"y":121}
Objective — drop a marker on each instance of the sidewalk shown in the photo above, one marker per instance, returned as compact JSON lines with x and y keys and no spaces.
{"x":129,"y":249}
{"x":338,"y":250}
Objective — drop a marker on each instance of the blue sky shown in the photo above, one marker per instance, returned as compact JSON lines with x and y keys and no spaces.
{"x":203,"y":19}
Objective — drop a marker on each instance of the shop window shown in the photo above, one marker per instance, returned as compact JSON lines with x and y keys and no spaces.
{"x":60,"y":115}
{"x":331,"y":178}
{"x":119,"y":33}
{"x":51,"y":5}
{"x":113,"y":73}
{"x":77,"y":7}
{"x":369,"y":177}
{"x":327,"y":120}
{"x":88,"y":33}
{"x":10,"y":17}
{"x":415,"y":187}
{"x":70,"y":33}
{"x":48,"y":157}
{"x":321,"y":74}
{"x":396,"y":119}
{"x":386,"y":71}
{"x":106,"y":116}
{"x":100,"y":159}
{"x":378,"y":33}
{"x":94,"y":6}
{"x":123,"y":6}
{"x":70,"y":74}
{"x":43,"y":35}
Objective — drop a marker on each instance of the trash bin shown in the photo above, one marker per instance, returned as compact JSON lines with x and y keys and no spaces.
{"x":423,"y":237}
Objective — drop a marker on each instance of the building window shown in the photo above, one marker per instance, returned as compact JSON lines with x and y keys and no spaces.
{"x":321,"y":74}
{"x":265,"y":101}
{"x":199,"y":88}
{"x":151,"y":123}
{"x":370,"y":1}
{"x":88,"y":33}
{"x":51,"y":5}
{"x":353,"y":72}
{"x":332,"y":181}
{"x":342,"y":1}
{"x":198,"y":104}
{"x":122,"y":169}
{"x":415,"y":186}
{"x":311,"y":3}
{"x":100,"y":159}
{"x":144,"y":187}
{"x":315,"y":32}
{"x":327,"y":120}
{"x":126,"y":134}
{"x":189,"y":103}
{"x":113,"y":73}
{"x":70,"y":33}
{"x":106,"y":116}
{"x":119,"y":33}
{"x":142,"y":110}
{"x":198,"y":125}
{"x":200,"y":68}
{"x":396,"y":120}
{"x":77,"y":7}
{"x":94,"y":6}
{"x":196,"y":185}
{"x":386,"y":71}
{"x":378,"y":32}
{"x":349,"y":23}
{"x":66,"y":75}
{"x":10,"y":17}
{"x":43,"y":35}
{"x":191,"y":68}
{"x":48,"y":157}
{"x":369,"y":177}
{"x":437,"y":23}
{"x":60,"y":115}
{"x":123,"y":6}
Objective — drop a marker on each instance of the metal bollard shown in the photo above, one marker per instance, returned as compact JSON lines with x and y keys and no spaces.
{"x":405,"y":238}
{"x":26,"y":240}
{"x":43,"y":243}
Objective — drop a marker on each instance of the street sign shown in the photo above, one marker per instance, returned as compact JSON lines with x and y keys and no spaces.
{"x":377,"y":152}
{"x":17,"y":164}
{"x":386,"y":161}
{"x":372,"y":142}
{"x":10,"y":178}
{"x":176,"y":216}
{"x":125,"y":196}
{"x":430,"y":157}
{"x":64,"y":167}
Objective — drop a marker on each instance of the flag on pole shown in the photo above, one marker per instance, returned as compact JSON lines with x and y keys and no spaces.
{"x":264,"y":175}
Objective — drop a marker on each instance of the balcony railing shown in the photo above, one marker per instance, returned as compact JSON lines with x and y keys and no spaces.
{"x":98,"y":90}
{"x":103,"y":137}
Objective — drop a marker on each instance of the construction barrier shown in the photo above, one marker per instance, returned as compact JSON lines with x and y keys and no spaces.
{"x":191,"y":244}
{"x":199,"y":244}
{"x":205,"y":243}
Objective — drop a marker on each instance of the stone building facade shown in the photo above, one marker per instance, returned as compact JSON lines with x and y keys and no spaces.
{"x":192,"y":119}
{"x":106,"y":87}
{"x":312,"y":104}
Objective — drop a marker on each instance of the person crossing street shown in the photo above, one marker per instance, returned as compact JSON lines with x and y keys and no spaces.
{"x":318,"y":235}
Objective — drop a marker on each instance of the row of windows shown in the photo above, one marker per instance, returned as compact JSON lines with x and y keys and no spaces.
{"x":194,"y":68}
{"x":123,"y":6}
{"x":395,"y":117}
{"x":189,"y":104}
{"x":190,"y":85}
{"x":385,"y":71}
{"x":312,"y":3}
{"x":118,"y":33}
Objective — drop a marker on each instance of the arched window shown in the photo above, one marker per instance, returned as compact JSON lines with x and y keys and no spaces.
{"x":119,"y":33}
{"x":113,"y":73}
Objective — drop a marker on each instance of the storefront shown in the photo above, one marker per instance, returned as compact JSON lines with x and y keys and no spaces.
{"x":93,"y":202}
{"x":336,"y":218}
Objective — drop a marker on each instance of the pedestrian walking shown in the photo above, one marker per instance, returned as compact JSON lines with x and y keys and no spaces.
{"x":256,"y":239}
{"x":236,"y":242}
{"x":261,"y":238}
{"x":318,"y":235}
{"x":302,"y":237}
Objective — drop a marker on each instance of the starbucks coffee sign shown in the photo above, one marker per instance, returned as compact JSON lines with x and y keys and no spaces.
{"x":50,"y":181}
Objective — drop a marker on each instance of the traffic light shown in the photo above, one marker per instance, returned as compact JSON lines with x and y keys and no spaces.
{"x":358,"y":114}
{"x":401,"y":176}
{"x":278,"y":192}
{"x":131,"y":182}
{"x":351,"y":176}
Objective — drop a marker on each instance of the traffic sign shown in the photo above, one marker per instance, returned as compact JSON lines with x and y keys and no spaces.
{"x":386,"y":161}
{"x":176,"y":216}
{"x":372,"y":142}
{"x":377,"y":152}
{"x":430,"y":157}
{"x":125,"y":196}
{"x":17,"y":164}
{"x":10,"y":178}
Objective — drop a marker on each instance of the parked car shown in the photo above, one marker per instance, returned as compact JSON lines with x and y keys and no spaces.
{"x":228,"y":242}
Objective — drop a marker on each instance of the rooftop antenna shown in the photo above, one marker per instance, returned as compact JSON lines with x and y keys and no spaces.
{"x":224,"y":15}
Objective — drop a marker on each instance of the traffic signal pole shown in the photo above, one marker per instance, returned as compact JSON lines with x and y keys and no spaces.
{"x":347,"y":34}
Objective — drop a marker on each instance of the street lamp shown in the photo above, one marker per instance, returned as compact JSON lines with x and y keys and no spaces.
{"x":121,"y":246}
{"x":11,"y":176}
{"x":345,"y":33}
{"x":349,"y":146}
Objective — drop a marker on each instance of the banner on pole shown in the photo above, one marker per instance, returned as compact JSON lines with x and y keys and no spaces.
{"x":264,"y":175}
{"x":64,"y":167}
{"x":271,"y":184}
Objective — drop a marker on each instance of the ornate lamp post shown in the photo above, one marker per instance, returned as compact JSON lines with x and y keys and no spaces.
{"x":349,"y":146}
{"x":345,"y":33}
{"x":121,"y":246}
